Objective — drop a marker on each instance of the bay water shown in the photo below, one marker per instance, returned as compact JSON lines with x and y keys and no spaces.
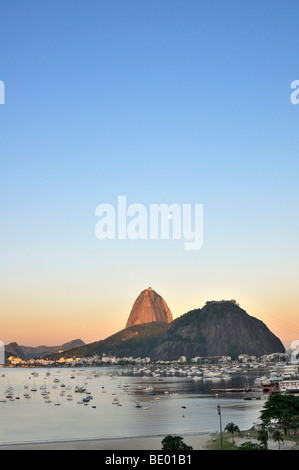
{"x":121,"y":405}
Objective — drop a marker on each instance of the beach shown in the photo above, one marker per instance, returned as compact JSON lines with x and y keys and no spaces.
{"x":197,"y":442}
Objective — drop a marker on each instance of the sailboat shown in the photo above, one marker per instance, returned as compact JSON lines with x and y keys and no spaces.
{"x":34,"y":389}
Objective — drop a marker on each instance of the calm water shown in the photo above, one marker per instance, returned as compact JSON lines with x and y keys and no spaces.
{"x":33,"y":419}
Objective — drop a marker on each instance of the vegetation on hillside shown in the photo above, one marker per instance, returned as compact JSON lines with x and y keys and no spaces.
{"x":174,"y":443}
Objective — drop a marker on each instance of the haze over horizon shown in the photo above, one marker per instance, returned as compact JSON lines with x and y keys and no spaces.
{"x":163,"y":102}
{"x":286,"y":341}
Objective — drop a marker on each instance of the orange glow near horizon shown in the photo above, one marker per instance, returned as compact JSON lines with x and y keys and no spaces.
{"x":89,"y":322}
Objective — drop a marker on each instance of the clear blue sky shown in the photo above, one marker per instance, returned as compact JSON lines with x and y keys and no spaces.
{"x":161,"y":101}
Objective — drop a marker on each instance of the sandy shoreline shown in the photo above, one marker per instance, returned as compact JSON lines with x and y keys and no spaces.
{"x":198,"y":442}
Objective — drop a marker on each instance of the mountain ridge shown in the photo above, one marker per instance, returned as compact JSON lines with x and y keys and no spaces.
{"x":220,"y":328}
{"x":31,"y":352}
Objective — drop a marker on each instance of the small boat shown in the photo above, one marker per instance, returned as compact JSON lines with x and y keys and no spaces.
{"x":85,"y":400}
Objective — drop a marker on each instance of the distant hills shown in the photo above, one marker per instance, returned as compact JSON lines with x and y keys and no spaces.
{"x":220,"y":328}
{"x":135,"y":341}
{"x":27,"y":352}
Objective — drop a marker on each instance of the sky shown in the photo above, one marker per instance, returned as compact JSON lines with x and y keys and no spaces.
{"x":184,"y":102}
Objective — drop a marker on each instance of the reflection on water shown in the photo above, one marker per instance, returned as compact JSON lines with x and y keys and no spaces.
{"x":121,"y":406}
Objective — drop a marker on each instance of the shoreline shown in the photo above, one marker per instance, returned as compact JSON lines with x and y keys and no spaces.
{"x":198,"y":442}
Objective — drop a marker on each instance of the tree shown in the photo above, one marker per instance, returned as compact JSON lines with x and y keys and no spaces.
{"x":232,"y":428}
{"x":262,"y":436}
{"x":277,"y":437}
{"x":174,"y":443}
{"x":280,"y":408}
{"x":294,"y":422}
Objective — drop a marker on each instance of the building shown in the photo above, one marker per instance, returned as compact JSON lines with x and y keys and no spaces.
{"x":289,"y":386}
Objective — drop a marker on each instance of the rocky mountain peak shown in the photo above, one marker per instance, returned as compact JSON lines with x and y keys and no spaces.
{"x":149,"y":307}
